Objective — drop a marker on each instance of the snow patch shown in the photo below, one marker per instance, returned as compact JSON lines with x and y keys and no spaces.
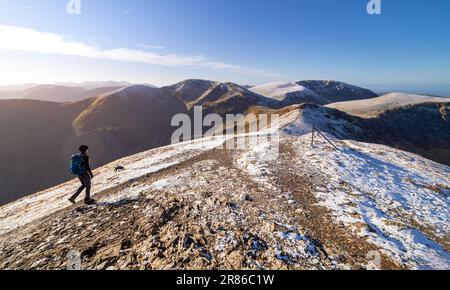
{"x":398,"y":195}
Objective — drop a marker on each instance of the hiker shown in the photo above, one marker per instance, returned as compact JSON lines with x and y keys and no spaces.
{"x":80,"y":167}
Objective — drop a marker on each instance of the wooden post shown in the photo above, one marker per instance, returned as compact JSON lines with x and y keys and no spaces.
{"x":312,"y":136}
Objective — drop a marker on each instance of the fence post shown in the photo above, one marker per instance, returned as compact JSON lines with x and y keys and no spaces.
{"x":320,"y":133}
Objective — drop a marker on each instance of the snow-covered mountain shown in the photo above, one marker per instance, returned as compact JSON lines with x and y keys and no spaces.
{"x":392,"y":101}
{"x":217,"y":97}
{"x":336,"y":91}
{"x":414,"y":123}
{"x":314,"y":92}
{"x":194,"y":206}
{"x":190,"y":90}
{"x":289,"y":93}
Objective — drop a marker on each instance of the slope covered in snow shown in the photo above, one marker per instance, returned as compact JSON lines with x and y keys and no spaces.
{"x":335,"y":91}
{"x":282,"y":91}
{"x":179,"y":207}
{"x":423,"y":128}
{"x":314,"y":92}
{"x":397,"y":200}
{"x":376,"y":106}
{"x":49,"y":201}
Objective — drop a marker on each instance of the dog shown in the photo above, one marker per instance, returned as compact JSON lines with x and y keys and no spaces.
{"x":119,"y":168}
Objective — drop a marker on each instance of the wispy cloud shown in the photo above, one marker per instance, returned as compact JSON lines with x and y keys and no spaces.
{"x":128,"y":11}
{"x":31,"y":40}
{"x":149,"y":46}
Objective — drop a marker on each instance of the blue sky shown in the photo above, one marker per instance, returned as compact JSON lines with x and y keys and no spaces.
{"x":245,"y":41}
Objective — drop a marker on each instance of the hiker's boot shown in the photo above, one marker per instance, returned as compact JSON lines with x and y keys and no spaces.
{"x":89,"y":201}
{"x":72,"y":200}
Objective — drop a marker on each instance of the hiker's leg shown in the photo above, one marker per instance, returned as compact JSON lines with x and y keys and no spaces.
{"x":87,"y":182}
{"x":80,"y":190}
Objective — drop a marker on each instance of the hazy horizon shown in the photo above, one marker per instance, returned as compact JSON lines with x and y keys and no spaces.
{"x":434,"y":90}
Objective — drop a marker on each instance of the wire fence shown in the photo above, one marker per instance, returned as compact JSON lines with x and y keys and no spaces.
{"x":316,"y":130}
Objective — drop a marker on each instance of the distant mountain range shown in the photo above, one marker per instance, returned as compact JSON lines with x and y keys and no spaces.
{"x":62,"y":92}
{"x":39,"y":136}
{"x":85,"y":85}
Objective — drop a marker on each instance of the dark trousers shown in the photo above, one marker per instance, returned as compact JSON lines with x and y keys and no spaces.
{"x":85,"y":180}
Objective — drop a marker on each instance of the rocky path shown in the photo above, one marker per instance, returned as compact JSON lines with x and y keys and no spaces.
{"x":207,"y":212}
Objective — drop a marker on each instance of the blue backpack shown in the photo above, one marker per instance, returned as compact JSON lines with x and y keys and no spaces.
{"x":77,"y":165}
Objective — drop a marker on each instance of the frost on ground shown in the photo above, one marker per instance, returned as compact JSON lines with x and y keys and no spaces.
{"x":398,"y":200}
{"x":360,"y":207}
{"x":54,"y":199}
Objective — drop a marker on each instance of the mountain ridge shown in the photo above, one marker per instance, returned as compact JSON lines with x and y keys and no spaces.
{"x":118,"y":124}
{"x":321,"y":92}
